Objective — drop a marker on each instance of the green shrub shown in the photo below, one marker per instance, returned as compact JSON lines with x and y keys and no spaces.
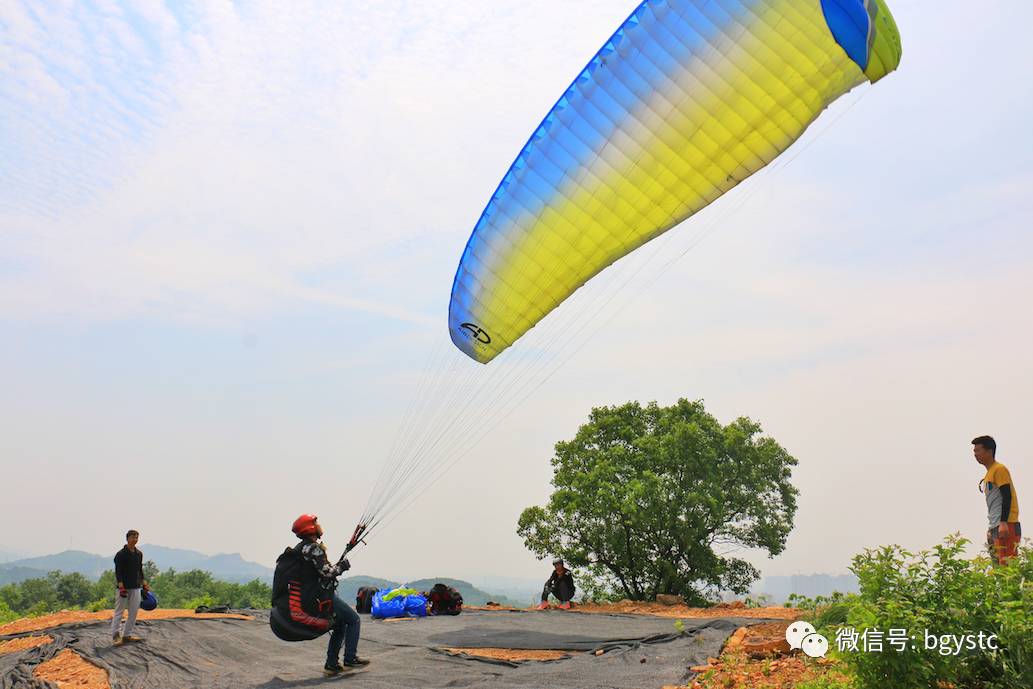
{"x":826,"y":613}
{"x":205,"y":600}
{"x":59,"y":591}
{"x":100,"y":604}
{"x":827,"y":682}
{"x":936,"y":593}
{"x":6,"y":614}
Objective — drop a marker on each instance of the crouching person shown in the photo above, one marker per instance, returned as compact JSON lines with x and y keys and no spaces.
{"x":560,"y":584}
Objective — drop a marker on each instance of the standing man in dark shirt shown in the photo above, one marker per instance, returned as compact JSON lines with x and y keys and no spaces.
{"x":130,"y":581}
{"x":560,"y":584}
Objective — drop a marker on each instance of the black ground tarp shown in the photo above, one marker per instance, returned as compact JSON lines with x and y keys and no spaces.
{"x":640,"y":652}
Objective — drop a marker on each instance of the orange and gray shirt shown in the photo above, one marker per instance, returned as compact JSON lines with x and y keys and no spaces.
{"x":1002,"y":504}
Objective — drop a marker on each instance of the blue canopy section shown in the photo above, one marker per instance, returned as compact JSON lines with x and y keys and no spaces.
{"x":851,"y":26}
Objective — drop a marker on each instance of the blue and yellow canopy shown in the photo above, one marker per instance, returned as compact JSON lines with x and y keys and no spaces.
{"x":687,"y":99}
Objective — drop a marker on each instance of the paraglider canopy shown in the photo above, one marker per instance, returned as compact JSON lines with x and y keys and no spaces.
{"x":686,"y":100}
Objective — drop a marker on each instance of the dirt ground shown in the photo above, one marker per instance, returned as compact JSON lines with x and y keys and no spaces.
{"x":68,"y":669}
{"x":759,"y":657}
{"x":755,"y":657}
{"x":684,"y":611}
{"x":737,"y":670}
{"x":23,"y":643}
{"x":509,"y":653}
{"x":35,"y":624}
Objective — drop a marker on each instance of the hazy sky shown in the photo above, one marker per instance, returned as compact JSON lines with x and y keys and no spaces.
{"x":228,"y":234}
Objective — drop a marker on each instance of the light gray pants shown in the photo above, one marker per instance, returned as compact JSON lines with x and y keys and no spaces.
{"x":131,"y":603}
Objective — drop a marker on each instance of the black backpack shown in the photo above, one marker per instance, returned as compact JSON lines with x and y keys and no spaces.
{"x":302,"y":608}
{"x":444,"y":600}
{"x":364,"y":600}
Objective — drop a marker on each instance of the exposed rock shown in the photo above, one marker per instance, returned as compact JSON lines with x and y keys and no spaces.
{"x":668,"y":599}
{"x":734,"y":642}
{"x":760,"y":641}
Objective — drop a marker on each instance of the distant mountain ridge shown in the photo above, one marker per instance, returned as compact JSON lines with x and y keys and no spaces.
{"x":13,"y":575}
{"x":349,"y":586}
{"x":810,"y":585}
{"x":11,"y":556}
{"x":234,"y":568}
{"x":88,"y":564}
{"x":225,"y":566}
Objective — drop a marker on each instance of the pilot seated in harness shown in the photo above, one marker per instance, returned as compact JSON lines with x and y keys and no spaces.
{"x":305,"y":586}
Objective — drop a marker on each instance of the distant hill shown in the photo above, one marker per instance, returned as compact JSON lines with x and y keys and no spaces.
{"x":810,"y":585}
{"x":85,"y":563}
{"x":11,"y":556}
{"x":177,"y":558}
{"x":349,"y":586}
{"x":226,"y":567}
{"x":13,"y":575}
{"x":525,"y":591}
{"x":471,"y":594}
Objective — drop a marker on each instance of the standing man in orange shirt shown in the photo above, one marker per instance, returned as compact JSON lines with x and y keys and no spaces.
{"x":1002,"y":503}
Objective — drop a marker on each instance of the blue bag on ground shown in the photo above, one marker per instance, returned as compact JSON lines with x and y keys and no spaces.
{"x":148,"y":601}
{"x":394,"y":607}
{"x":416,"y":605}
{"x":394,"y":603}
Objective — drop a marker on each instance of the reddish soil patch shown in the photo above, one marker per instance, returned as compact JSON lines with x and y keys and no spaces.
{"x":509,"y":653}
{"x":23,"y":643}
{"x":69,"y":669}
{"x":758,"y":657}
{"x":35,"y":624}
{"x":736,"y":670}
{"x":684,"y":611}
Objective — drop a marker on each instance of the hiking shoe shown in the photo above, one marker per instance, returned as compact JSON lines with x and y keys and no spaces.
{"x":542,"y":606}
{"x":131,"y":638}
{"x":356,"y":662}
{"x":332,"y":670}
{"x":565,"y":605}
{"x":117,"y":640}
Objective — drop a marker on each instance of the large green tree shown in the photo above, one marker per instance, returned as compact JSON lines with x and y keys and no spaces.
{"x":652,"y":499}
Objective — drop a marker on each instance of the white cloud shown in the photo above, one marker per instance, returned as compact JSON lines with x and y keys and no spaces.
{"x":228,"y":158}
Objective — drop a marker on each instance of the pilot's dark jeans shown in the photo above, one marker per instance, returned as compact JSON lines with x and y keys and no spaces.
{"x":345,"y":631}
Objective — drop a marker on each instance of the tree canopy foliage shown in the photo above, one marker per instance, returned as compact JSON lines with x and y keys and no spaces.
{"x":651,"y":499}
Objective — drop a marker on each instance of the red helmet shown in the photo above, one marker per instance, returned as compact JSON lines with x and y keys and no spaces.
{"x":305,"y":525}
